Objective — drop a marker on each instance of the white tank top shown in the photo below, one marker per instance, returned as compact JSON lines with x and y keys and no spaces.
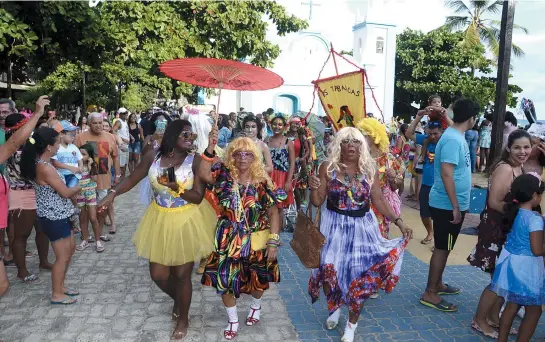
{"x":123,"y":132}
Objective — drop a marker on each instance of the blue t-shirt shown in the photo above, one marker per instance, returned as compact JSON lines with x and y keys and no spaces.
{"x":518,"y":239}
{"x":427,"y":169}
{"x":452,"y":149}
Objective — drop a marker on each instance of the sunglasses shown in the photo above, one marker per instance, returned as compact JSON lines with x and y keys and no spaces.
{"x":188,"y":135}
{"x":353,"y":141}
{"x":434,"y":124}
{"x":243,"y":155}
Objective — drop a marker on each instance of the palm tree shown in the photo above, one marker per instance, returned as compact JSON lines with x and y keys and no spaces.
{"x":478,"y":29}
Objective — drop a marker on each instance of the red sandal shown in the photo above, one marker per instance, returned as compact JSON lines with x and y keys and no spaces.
{"x":250,"y":320}
{"x":230,"y":334}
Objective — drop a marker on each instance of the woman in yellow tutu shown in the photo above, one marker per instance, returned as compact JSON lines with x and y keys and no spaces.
{"x":177,"y":228}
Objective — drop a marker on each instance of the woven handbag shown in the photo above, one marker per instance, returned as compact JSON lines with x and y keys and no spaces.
{"x":307,"y":240}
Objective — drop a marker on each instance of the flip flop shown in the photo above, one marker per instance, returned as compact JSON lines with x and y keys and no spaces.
{"x":477,"y":328}
{"x":450,"y":290}
{"x":105,"y":238}
{"x":512,"y":331}
{"x":443,"y":305}
{"x":426,"y":241}
{"x":70,"y":292}
{"x":31,"y":279}
{"x":65,"y":301}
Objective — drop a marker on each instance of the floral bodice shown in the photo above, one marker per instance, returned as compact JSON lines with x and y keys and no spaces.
{"x":338,"y":197}
{"x":184,"y":177}
{"x":280,"y":158}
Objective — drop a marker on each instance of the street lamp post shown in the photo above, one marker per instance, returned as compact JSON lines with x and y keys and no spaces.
{"x":502,"y":83}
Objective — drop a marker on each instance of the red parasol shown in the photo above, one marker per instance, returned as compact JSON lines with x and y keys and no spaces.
{"x":221,"y":74}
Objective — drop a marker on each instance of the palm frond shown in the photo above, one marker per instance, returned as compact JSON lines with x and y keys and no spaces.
{"x":489,"y":36}
{"x":471,"y":36}
{"x":517,"y":51}
{"x":456,"y":23}
{"x":515,"y":26}
{"x":479,"y":5}
{"x":458,"y":6}
{"x":495,"y":7}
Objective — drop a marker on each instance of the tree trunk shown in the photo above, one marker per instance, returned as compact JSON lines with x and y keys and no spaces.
{"x":10,"y":77}
{"x":83,"y":95}
{"x":506,"y":43}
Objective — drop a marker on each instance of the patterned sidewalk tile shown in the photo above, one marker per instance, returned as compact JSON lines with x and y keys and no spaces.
{"x":397,"y":316}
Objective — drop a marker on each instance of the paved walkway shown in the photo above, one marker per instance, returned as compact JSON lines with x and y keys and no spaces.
{"x":120,"y":303}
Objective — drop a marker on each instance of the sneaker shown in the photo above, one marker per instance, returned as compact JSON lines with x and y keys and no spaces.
{"x":82,"y":246}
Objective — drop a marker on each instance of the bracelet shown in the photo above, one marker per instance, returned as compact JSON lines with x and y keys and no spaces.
{"x":397,"y":219}
{"x":206,"y":158}
{"x":274,"y":237}
{"x":209,"y":155}
{"x":113,"y":190}
{"x":272,"y":246}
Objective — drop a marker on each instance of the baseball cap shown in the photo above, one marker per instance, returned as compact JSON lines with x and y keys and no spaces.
{"x":67,"y":126}
{"x":122,"y":110}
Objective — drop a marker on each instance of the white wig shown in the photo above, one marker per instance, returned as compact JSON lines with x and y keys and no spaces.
{"x":366,"y":163}
{"x":201,"y":125}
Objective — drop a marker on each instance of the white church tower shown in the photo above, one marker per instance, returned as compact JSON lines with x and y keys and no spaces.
{"x":374,"y":50}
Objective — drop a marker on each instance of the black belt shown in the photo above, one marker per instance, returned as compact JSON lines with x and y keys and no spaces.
{"x":350,"y":213}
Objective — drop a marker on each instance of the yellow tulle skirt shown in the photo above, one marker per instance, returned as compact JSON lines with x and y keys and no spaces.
{"x":176,"y":236}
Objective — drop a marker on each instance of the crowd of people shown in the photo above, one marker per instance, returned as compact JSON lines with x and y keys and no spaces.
{"x":216,"y":187}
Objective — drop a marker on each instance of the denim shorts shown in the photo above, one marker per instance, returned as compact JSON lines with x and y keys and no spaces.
{"x":135,"y":147}
{"x":55,"y":229}
{"x":71,"y":180}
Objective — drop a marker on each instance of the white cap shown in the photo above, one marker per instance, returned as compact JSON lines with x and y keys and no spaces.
{"x":122,"y":110}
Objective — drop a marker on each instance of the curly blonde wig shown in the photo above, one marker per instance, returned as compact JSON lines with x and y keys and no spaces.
{"x":257,"y":168}
{"x":366,"y":163}
{"x":372,"y":128}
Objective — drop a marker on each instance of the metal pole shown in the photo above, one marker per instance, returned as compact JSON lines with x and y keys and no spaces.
{"x":502,"y":83}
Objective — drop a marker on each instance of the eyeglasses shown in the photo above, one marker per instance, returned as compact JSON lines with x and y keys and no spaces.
{"x":353,"y":141}
{"x":5,"y":112}
{"x":243,"y":155}
{"x":188,"y":135}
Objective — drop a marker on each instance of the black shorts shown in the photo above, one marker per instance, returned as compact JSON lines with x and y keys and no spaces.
{"x":424,"y":200}
{"x":418,"y":171}
{"x":445,"y":233}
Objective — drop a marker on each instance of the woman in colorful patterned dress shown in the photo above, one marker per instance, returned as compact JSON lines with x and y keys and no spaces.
{"x":389,"y":169}
{"x":356,"y":261}
{"x":283,"y":158}
{"x":177,"y":228}
{"x":244,"y":260}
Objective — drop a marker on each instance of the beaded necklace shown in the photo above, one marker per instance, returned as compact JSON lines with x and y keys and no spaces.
{"x":353,"y":187}
{"x":239,"y":202}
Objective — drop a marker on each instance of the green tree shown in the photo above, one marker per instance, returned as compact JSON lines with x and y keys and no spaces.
{"x":436,"y":63}
{"x":16,"y":40}
{"x":125,"y":41}
{"x":477,"y":28}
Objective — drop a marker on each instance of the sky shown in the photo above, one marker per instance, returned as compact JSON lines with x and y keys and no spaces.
{"x":340,"y":15}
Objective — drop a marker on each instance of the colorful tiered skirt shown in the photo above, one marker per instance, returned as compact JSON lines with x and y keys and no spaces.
{"x":356,"y":261}
{"x":176,"y":236}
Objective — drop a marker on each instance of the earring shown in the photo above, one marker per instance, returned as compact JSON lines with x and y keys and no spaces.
{"x":171,"y":154}
{"x":48,"y":149}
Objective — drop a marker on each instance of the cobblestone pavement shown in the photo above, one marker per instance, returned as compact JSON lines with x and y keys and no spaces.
{"x":119,"y":302}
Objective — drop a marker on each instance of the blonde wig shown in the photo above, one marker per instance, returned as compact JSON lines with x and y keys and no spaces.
{"x":366,"y":163}
{"x":257,"y":168}
{"x":372,"y":128}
